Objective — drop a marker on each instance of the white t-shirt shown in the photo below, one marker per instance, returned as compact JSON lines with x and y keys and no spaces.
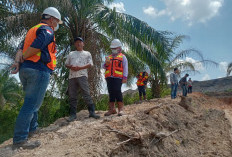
{"x":78,"y":58}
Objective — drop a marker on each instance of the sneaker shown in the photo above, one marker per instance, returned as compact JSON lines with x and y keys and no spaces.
{"x":26,"y":145}
{"x":72,"y":118}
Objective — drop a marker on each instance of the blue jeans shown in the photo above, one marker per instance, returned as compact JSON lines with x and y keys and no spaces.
{"x":34,"y":83}
{"x":174,"y":90}
{"x":184,"y":90}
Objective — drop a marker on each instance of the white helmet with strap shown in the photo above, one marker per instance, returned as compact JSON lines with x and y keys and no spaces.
{"x":115,"y":43}
{"x":54,"y":13}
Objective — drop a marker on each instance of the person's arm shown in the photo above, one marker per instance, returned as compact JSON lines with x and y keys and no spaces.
{"x":77,"y":68}
{"x":88,"y":65}
{"x":44,"y":36}
{"x":125,"y":69}
{"x":30,"y":52}
{"x":171,"y":79}
{"x":18,"y":60}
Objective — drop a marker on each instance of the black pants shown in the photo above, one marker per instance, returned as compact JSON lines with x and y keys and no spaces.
{"x":190,"y":89}
{"x":142,"y":91}
{"x":78,"y":84}
{"x":114,"y":88}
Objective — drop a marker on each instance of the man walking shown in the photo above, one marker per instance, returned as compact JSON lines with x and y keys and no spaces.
{"x":78,"y":62}
{"x":38,"y":60}
{"x":142,"y":83}
{"x":174,"y":82}
{"x":116,"y":66}
{"x":183,"y":84}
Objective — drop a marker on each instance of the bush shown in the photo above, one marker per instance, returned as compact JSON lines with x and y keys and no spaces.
{"x":8,"y":117}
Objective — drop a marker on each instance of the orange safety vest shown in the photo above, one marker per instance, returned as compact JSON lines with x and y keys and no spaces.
{"x":30,"y":37}
{"x":115,"y":68}
{"x":141,"y":79}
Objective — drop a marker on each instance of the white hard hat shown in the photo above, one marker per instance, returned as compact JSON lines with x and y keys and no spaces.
{"x":53,"y":12}
{"x":115,"y":43}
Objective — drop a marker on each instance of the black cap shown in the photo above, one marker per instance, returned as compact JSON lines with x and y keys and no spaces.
{"x":187,"y":74}
{"x":78,"y":38}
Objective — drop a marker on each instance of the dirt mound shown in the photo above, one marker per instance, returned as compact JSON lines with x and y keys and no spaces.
{"x":159,"y":127}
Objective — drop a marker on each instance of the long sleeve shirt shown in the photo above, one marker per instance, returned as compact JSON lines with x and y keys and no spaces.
{"x":173,"y":78}
{"x":44,"y":36}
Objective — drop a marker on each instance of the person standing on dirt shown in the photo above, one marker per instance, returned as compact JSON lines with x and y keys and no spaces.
{"x":190,"y":85}
{"x":116,"y":73}
{"x":78,"y":62}
{"x":142,"y":84}
{"x":35,"y":62}
{"x":174,"y":82}
{"x":183,"y":84}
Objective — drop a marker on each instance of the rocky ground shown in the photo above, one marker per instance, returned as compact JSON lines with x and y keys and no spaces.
{"x":214,"y":85}
{"x":195,"y":126}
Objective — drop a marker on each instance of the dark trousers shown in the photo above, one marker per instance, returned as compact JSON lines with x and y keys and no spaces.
{"x":142,"y":91}
{"x":190,"y":89}
{"x":184,"y":90}
{"x":114,"y":88}
{"x":74,"y":85}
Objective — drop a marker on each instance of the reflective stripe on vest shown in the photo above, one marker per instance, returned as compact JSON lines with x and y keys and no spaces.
{"x":141,"y":79}
{"x":30,"y":37}
{"x":115,"y":68}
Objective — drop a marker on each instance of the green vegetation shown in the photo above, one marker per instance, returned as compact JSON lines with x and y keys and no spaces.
{"x":98,"y":25}
{"x":54,"y":108}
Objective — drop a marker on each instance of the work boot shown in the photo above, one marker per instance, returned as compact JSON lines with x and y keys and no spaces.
{"x":92,"y":113}
{"x":26,"y":145}
{"x":111,"y":109}
{"x":120,"y":109}
{"x":72,"y":118}
{"x":144,"y":97}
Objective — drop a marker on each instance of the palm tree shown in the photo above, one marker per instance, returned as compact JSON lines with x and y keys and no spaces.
{"x":171,"y":59}
{"x":98,"y":25}
{"x":229,"y":69}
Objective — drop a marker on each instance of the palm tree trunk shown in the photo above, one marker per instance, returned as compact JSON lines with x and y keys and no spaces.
{"x":2,"y":101}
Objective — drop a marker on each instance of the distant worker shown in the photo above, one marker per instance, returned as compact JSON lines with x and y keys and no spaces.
{"x":35,"y":62}
{"x":116,"y":66}
{"x":78,"y":62}
{"x":142,"y":84}
{"x":183,"y":84}
{"x":190,"y":85}
{"x":174,"y":82}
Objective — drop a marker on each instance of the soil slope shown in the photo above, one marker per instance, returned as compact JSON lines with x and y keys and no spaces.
{"x":194,"y":126}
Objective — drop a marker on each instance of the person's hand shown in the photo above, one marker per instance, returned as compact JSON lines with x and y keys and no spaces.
{"x":107,"y":62}
{"x":76,"y":68}
{"x":15,"y":68}
{"x":124,"y":80}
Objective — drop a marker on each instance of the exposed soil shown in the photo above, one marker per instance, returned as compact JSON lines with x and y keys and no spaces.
{"x":195,"y":126}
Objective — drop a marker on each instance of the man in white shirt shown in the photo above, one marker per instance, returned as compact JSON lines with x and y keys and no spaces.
{"x":78,"y":62}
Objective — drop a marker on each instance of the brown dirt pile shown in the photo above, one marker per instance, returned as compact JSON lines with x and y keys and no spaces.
{"x":193,"y":127}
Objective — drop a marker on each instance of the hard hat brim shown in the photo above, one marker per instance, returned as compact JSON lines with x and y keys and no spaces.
{"x":113,"y":47}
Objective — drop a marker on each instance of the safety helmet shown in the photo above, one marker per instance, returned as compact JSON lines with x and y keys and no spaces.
{"x":115,"y":43}
{"x":53,"y":12}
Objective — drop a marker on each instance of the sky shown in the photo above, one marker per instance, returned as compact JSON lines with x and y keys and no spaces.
{"x":208,"y":23}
